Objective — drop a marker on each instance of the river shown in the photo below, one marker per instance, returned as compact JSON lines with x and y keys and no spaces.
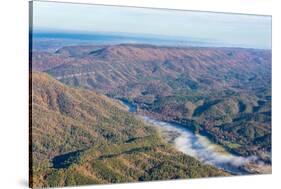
{"x":202,"y":148}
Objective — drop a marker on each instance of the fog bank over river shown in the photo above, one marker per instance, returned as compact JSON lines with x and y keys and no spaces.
{"x":202,"y":148}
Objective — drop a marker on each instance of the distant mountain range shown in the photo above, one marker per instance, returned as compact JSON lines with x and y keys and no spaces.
{"x":51,"y":41}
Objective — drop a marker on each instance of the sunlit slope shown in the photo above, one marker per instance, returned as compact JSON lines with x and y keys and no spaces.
{"x":82,"y":137}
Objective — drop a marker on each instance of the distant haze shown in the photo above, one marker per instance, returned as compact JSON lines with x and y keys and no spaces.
{"x":211,"y":29}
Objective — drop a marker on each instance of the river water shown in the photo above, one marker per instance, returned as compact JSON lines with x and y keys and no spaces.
{"x":200,"y":147}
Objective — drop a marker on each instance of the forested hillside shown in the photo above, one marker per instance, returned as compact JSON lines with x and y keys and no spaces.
{"x":81,"y":137}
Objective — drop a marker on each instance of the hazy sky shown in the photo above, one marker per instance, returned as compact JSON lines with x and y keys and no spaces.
{"x":244,"y":30}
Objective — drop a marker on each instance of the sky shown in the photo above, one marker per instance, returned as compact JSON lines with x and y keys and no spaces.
{"x":231,"y":29}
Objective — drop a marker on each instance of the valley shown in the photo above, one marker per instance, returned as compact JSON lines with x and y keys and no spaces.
{"x":223,"y":93}
{"x":194,"y":112}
